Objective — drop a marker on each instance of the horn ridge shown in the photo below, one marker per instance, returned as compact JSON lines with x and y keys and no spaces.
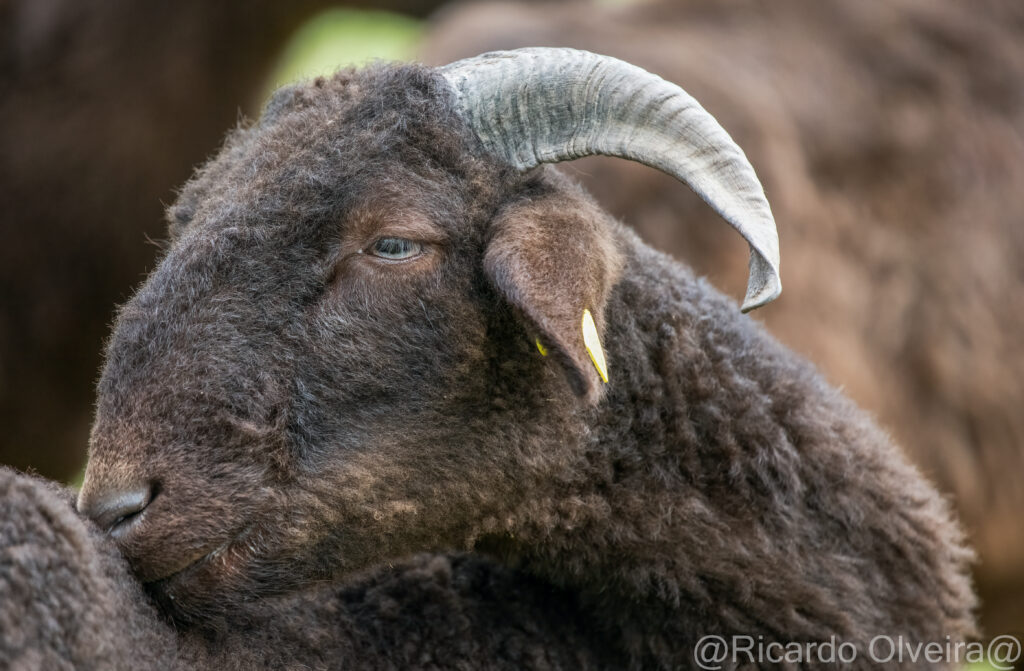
{"x":545,"y":105}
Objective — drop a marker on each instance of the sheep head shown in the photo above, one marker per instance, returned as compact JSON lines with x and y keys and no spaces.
{"x":337,"y":361}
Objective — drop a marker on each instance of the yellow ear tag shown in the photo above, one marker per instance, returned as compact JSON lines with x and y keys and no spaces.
{"x":540,"y":348}
{"x":593,"y":344}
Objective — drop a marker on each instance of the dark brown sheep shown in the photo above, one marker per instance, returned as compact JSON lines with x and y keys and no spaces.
{"x":68,"y":602}
{"x":336,"y":365}
{"x":889,"y":137}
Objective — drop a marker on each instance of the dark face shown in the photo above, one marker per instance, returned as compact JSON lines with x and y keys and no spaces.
{"x":321,"y":374}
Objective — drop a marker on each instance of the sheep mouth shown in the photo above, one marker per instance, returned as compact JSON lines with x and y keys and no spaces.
{"x":233,"y":552}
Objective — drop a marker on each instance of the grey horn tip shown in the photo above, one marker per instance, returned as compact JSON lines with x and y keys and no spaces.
{"x":761,"y":298}
{"x":764,"y":285}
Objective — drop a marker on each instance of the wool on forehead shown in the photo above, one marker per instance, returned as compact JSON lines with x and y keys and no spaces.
{"x":320,"y":143}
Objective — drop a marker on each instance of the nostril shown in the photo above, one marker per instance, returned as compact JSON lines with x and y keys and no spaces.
{"x":114,"y":511}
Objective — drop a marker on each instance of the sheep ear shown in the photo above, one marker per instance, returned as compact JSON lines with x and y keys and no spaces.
{"x":554,"y":259}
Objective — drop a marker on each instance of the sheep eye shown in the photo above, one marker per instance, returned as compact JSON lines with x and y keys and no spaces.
{"x":396,"y":249}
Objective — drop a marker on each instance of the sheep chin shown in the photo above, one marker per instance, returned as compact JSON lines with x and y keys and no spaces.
{"x":191,"y":592}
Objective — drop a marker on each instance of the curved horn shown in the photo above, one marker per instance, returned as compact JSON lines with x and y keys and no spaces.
{"x":544,"y":105}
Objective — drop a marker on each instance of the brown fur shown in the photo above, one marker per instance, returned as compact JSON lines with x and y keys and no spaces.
{"x":305,"y":410}
{"x":889,"y":138}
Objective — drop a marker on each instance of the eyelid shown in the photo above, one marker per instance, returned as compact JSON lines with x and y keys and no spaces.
{"x":416,"y":231}
{"x":363,"y":228}
{"x":419,"y":247}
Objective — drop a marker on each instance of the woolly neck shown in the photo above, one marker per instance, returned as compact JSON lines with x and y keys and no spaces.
{"x":722,"y":487}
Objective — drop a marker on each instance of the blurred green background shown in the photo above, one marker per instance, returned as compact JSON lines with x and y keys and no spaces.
{"x":340,"y":37}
